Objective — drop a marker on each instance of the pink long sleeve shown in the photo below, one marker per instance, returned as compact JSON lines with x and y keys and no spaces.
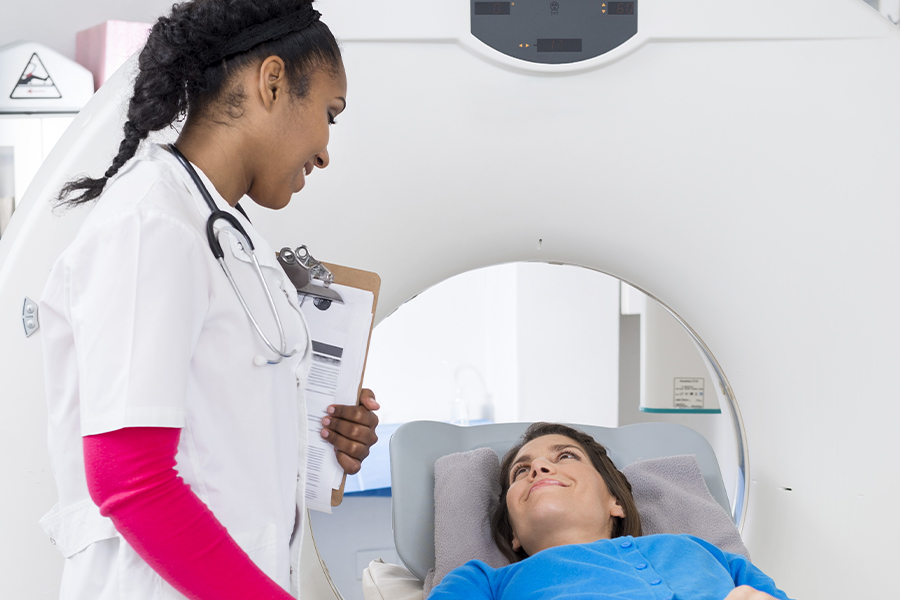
{"x":131,"y":476}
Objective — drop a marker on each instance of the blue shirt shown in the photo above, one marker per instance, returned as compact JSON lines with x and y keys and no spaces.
{"x":644,"y":568}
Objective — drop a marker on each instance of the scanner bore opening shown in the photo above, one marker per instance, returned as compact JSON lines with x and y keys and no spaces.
{"x":447,"y":353}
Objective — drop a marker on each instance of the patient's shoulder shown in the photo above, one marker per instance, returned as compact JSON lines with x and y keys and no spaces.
{"x":475,"y":580}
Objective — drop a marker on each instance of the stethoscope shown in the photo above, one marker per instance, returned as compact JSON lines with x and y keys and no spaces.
{"x":235,"y":228}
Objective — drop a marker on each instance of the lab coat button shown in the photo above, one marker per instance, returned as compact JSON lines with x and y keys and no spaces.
{"x":655,"y":581}
{"x":641,"y":566}
{"x":52,"y":541}
{"x":626,"y":544}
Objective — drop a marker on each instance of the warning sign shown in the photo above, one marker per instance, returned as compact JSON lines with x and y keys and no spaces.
{"x":35,"y":82}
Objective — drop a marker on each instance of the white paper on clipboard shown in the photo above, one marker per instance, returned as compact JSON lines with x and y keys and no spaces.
{"x":340,"y":337}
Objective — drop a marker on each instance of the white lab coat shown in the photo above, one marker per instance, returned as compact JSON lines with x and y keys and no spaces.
{"x":141,"y":328}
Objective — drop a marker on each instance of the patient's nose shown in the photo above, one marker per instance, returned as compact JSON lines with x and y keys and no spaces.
{"x":540,"y":465}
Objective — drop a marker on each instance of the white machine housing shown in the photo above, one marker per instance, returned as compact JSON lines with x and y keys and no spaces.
{"x":735,"y":160}
{"x":36,"y":79}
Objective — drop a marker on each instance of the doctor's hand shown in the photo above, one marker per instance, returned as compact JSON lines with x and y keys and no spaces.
{"x":745,"y":592}
{"x":351,"y":430}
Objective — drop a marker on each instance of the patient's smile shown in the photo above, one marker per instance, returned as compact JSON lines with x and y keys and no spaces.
{"x":542,"y":483}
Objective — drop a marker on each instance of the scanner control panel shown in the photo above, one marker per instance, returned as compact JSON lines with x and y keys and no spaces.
{"x":554,"y":31}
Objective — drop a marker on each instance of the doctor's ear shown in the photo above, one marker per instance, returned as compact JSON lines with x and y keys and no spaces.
{"x":272,"y":81}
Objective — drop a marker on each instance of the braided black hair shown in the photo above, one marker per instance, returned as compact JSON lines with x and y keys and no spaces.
{"x":175,"y":77}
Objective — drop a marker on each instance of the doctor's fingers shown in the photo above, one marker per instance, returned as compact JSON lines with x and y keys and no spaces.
{"x":349,"y":453}
{"x":745,"y":592}
{"x":355,"y":424}
{"x":350,"y":465}
{"x":367,"y":399}
{"x":359,"y":415}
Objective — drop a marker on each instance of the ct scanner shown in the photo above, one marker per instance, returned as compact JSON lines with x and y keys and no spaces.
{"x":736,"y":160}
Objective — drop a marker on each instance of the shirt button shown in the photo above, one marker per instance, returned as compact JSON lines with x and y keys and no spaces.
{"x":655,"y":581}
{"x":641,"y":566}
{"x":626,"y":544}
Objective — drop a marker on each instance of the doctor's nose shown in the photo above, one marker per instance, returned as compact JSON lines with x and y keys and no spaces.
{"x":322,"y":159}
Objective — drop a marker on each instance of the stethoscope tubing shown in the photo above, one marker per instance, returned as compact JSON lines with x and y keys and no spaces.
{"x":238,"y":231}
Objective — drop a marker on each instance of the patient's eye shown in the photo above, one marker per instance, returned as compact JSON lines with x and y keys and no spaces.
{"x":519,"y":470}
{"x":567,"y":454}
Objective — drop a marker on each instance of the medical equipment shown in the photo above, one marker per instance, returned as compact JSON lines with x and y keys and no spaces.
{"x":36,"y":79}
{"x":735,"y":160}
{"x":42,"y":92}
{"x":235,"y":228}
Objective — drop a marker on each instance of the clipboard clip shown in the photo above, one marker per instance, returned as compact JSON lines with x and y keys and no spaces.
{"x":309,"y":276}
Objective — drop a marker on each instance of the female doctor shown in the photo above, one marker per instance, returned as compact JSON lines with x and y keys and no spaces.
{"x":175,"y":380}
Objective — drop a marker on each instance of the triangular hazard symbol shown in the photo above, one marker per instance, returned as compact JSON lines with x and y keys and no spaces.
{"x":35,"y":82}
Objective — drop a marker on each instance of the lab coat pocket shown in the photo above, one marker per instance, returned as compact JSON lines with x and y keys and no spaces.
{"x":74,"y":528}
{"x":260,"y":545}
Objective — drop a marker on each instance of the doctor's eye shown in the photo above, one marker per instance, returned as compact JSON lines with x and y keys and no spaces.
{"x":331,"y":120}
{"x":568,"y":454}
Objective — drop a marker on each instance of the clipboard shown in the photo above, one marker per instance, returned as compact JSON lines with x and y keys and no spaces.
{"x":303,"y":270}
{"x":371,"y":282}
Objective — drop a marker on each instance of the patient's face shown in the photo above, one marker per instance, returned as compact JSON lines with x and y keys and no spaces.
{"x":556,"y":496}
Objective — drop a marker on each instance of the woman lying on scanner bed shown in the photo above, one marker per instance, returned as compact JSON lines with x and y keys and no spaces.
{"x":568,"y":522}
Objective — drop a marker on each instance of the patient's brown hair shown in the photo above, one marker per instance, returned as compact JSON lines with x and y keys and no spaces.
{"x":618,"y":486}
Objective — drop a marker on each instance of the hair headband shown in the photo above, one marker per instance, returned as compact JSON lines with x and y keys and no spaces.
{"x":267,"y":31}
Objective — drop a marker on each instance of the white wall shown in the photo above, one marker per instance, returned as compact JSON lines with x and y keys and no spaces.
{"x":438,"y":343}
{"x":517,"y":342}
{"x":568,"y":327}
